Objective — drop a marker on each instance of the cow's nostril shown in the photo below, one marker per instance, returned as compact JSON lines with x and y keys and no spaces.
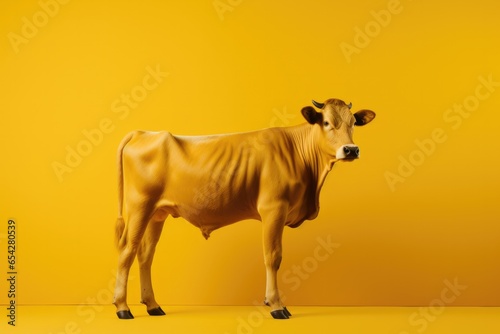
{"x":357,"y":151}
{"x":347,"y":150}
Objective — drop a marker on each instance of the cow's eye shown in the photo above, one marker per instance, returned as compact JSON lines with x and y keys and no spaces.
{"x":326,"y":123}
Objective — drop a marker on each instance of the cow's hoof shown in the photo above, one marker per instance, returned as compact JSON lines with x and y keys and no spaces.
{"x":156,"y":311}
{"x":287,"y":312}
{"x":279,"y":314}
{"x":125,"y":314}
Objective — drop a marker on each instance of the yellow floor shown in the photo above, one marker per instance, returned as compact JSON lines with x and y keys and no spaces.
{"x":250,"y":320}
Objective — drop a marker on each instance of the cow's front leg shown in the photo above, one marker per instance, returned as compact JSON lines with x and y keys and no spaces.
{"x":273,"y":224}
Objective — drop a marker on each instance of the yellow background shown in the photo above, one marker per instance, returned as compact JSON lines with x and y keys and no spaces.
{"x":239,"y":70}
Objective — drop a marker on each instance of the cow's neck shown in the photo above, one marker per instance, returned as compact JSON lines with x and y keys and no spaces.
{"x":307,"y":141}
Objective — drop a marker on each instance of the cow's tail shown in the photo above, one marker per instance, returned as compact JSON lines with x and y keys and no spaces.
{"x":120,"y":236}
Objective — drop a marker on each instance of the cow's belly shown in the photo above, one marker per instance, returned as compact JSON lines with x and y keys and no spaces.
{"x":209,"y":203}
{"x":212,"y":210}
{"x":209,"y":218}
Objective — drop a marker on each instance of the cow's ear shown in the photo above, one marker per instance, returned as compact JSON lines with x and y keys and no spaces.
{"x":363,"y":117}
{"x":311,"y":115}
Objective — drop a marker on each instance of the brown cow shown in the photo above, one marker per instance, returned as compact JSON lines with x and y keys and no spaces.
{"x":273,"y":175}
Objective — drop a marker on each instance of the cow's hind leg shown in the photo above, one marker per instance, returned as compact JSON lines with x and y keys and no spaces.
{"x":137,"y":223}
{"x":273,"y":225}
{"x":145,"y":258}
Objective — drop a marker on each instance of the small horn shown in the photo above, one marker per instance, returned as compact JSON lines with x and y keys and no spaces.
{"x":349,"y":105}
{"x":318,"y":105}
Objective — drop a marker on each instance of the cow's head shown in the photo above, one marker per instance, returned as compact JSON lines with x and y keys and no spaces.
{"x":335,"y":124}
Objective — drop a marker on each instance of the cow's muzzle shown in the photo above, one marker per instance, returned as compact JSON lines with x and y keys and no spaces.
{"x":348,"y":152}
